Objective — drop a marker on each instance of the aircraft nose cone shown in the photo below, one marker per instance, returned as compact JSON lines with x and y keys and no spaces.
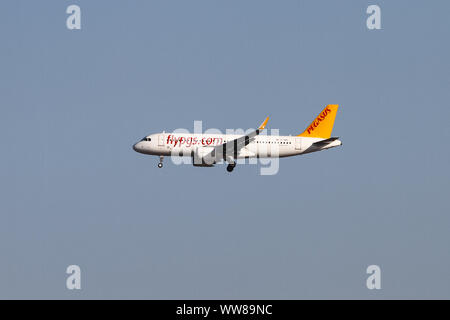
{"x":139,"y":147}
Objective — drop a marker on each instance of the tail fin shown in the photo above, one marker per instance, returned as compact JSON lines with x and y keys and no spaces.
{"x":322,"y":126}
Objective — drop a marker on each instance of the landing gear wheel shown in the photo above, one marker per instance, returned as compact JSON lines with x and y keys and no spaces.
{"x":160,"y":165}
{"x":230,"y":167}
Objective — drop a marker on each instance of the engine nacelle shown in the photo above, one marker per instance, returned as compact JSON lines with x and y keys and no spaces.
{"x":202,"y":157}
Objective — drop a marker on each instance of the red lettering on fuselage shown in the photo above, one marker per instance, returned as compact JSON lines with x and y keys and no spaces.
{"x":190,"y":141}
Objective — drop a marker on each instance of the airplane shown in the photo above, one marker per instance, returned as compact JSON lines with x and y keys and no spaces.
{"x":208,"y":149}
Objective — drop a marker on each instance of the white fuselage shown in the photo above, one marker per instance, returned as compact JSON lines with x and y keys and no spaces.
{"x":263,"y":146}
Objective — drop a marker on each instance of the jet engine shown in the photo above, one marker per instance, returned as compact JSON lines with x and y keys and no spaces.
{"x":203,"y":157}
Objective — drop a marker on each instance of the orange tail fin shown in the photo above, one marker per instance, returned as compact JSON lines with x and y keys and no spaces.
{"x":322,"y":126}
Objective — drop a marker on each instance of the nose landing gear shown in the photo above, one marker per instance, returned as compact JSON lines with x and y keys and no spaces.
{"x":160,"y":164}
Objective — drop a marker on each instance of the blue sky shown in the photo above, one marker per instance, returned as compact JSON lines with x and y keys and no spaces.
{"x":74,"y":192}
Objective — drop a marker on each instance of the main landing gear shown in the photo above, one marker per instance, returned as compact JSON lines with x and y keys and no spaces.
{"x":160,"y":164}
{"x":231,"y":163}
{"x":231,"y":166}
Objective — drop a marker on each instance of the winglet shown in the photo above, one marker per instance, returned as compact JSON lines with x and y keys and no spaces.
{"x":263,"y":125}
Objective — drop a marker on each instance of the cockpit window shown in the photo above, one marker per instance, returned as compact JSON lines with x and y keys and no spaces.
{"x":146,"y":139}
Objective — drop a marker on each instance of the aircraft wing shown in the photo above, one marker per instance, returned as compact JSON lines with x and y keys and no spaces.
{"x":230,"y":149}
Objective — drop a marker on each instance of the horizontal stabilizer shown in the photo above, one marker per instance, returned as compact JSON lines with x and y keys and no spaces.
{"x":323,"y":143}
